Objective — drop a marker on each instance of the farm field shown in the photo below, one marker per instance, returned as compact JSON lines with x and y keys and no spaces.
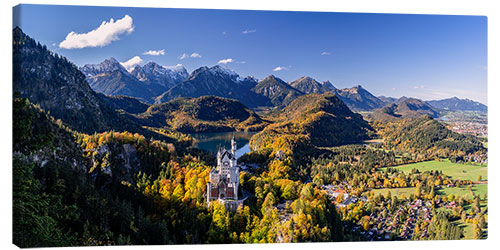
{"x":454,"y":170}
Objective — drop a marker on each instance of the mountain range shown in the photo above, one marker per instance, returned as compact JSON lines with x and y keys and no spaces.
{"x":69,"y":93}
{"x":412,"y":107}
{"x":153,"y":83}
{"x":216,"y":81}
{"x":404,"y":108}
{"x":60,"y":88}
{"x":457,"y":104}
{"x":145,"y":83}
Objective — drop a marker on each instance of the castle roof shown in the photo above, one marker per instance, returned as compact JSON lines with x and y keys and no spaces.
{"x":228,"y":153}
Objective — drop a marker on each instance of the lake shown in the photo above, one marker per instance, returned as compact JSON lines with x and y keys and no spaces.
{"x":212,"y":141}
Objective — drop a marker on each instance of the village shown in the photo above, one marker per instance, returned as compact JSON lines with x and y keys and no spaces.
{"x":471,"y":128}
{"x":477,"y":158}
{"x":386,"y":221}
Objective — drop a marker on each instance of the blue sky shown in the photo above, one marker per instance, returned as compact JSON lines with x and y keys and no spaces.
{"x":424,"y":56}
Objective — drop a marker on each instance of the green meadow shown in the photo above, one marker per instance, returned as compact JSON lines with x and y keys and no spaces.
{"x":398,"y":192}
{"x":454,"y":170}
{"x":480,"y":189}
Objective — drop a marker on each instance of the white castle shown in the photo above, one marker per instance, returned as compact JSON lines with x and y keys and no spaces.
{"x":225,"y":178}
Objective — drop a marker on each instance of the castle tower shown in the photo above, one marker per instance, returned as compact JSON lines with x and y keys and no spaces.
{"x":219,"y":158}
{"x":233,"y":146}
{"x":209,"y":191}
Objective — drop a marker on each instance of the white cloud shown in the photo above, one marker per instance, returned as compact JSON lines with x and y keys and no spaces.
{"x":155,"y":52}
{"x":280,"y":68}
{"x":226,"y":61}
{"x":193,"y":55}
{"x":419,"y":87}
{"x":248,"y":31}
{"x":242,"y":62}
{"x":130,"y":64}
{"x":99,"y":37}
{"x":324,"y":53}
{"x":224,"y":33}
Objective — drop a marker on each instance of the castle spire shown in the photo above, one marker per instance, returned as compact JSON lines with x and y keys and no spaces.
{"x":233,"y":146}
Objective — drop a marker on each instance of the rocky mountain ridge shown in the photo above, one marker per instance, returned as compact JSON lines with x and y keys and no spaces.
{"x":143,"y":82}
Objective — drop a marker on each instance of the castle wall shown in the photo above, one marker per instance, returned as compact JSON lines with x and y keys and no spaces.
{"x":230,"y":204}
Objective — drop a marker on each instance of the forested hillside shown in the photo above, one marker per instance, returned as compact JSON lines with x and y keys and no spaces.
{"x":279,"y":92}
{"x":202,"y":114}
{"x":125,"y":103}
{"x":404,"y":108}
{"x":429,"y":137}
{"x":320,"y":120}
{"x":126,"y":189}
{"x":57,"y":85}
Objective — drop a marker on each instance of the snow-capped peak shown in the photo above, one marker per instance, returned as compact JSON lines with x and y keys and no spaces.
{"x":108,"y":65}
{"x":150,"y":72}
{"x":163,"y":75}
{"x":225,"y":72}
{"x":131,"y":63}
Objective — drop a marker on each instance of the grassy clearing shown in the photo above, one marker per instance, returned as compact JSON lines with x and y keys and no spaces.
{"x":480,"y":189}
{"x":467,"y":227}
{"x":454,"y":170}
{"x":396,"y":191}
{"x":464,"y":191}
